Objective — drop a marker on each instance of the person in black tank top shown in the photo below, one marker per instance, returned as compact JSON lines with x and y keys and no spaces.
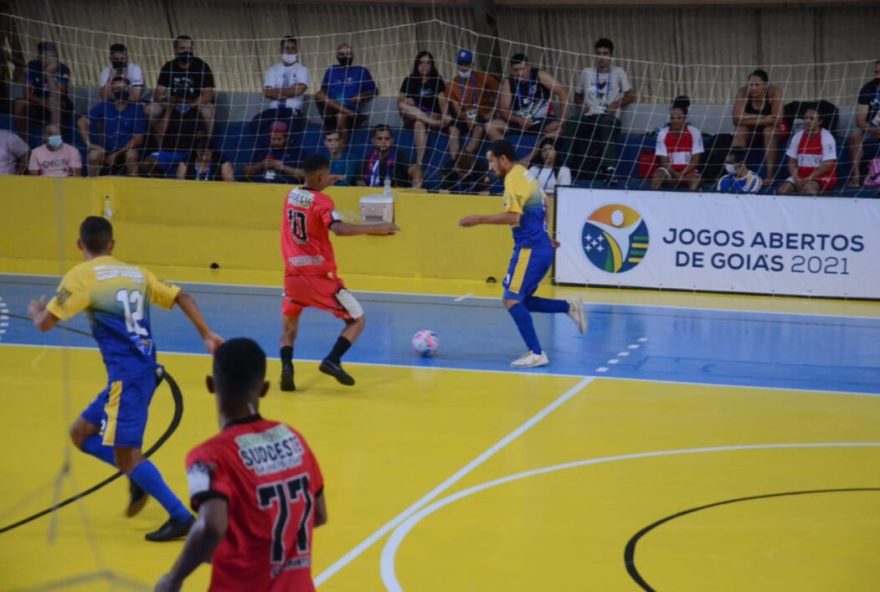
{"x":758,"y":112}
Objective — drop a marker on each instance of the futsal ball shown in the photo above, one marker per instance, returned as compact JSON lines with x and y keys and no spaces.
{"x":425,"y":343}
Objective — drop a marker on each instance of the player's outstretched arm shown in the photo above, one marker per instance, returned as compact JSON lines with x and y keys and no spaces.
{"x":349,"y":229}
{"x":204,"y":537}
{"x":189,"y":307}
{"x":40,"y":315}
{"x":508,"y":218}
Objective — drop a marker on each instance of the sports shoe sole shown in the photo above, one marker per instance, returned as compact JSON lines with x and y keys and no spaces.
{"x":331,"y":369}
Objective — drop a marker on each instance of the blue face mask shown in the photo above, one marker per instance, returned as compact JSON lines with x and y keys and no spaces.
{"x":54,"y":142}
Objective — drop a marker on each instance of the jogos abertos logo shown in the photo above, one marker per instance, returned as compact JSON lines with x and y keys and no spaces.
{"x":615,"y":238}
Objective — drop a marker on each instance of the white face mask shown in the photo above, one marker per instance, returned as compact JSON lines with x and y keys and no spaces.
{"x":288,"y":58}
{"x":464,"y":73}
{"x":730,"y":168}
{"x":54,"y":142}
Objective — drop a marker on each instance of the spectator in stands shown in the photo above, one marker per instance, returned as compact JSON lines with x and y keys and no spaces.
{"x":812,"y":158}
{"x":465,"y":174}
{"x":548,"y":169}
{"x":757,"y":112}
{"x":738,"y":178}
{"x":678,"y":151}
{"x":345,"y":92}
{"x":55,"y":158}
{"x":387,"y":161}
{"x":525,"y":102}
{"x":472,"y":97}
{"x":183,"y":132}
{"x":343,"y":169}
{"x":422,"y":102}
{"x":279,"y":163}
{"x":206,"y":164}
{"x":13,"y":154}
{"x":867,"y":118}
{"x":121,"y":67}
{"x":45,"y":96}
{"x":185,"y":83}
{"x":121,"y":125}
{"x":285,"y":85}
{"x":602,"y":91}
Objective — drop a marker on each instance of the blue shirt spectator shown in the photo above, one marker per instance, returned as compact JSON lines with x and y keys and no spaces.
{"x":120,"y":127}
{"x":342,"y":166}
{"x":37,"y":78}
{"x":345,"y":90}
{"x":344,"y":83}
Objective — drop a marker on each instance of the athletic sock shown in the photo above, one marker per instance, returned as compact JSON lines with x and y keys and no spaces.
{"x":339,"y":348}
{"x":287,"y":355}
{"x":523,"y":319}
{"x":147,"y":476}
{"x":93,"y":446}
{"x":535,"y":304}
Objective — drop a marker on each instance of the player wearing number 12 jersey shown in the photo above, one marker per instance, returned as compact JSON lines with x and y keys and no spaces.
{"x":116,"y":298}
{"x":310,"y":277}
{"x":256,"y":485}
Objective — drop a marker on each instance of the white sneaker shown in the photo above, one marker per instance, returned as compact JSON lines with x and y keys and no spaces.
{"x":577,"y":314}
{"x":531,"y":360}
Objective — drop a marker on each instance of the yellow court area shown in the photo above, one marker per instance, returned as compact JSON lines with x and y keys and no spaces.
{"x":524,"y":482}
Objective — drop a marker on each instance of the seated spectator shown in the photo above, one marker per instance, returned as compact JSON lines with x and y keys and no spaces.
{"x":387,"y":161}
{"x":55,"y":158}
{"x":206,"y":164}
{"x":525,"y":102}
{"x":812,"y":158}
{"x":465,"y":174}
{"x":548,"y":169}
{"x":121,"y":126}
{"x":602,"y":92}
{"x":757,"y":112}
{"x":472,"y":97}
{"x":183,"y":131}
{"x":121,"y":68}
{"x":13,"y":154}
{"x":343,"y":169}
{"x":185,"y":83}
{"x":678,"y":151}
{"x":285,"y":85}
{"x":345,"y":92}
{"x":867,"y":118}
{"x":738,"y":178}
{"x":45,"y":96}
{"x":422,"y":102}
{"x":279,"y":163}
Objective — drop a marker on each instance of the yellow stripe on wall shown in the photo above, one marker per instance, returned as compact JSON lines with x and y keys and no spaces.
{"x":522,"y":263}
{"x":112,"y":410}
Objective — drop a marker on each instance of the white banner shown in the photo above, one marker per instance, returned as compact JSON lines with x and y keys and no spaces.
{"x":806,"y":246}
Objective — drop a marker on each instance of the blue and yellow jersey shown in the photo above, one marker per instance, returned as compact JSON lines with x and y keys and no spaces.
{"x":523,"y":195}
{"x":116,"y":298}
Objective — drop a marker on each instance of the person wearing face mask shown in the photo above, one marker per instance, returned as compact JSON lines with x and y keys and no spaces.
{"x":285,"y":85}
{"x":345,"y":92}
{"x":738,"y":177}
{"x":679,"y":149}
{"x":121,"y":67}
{"x":121,"y":126}
{"x":185,"y":84}
{"x":472,"y":96}
{"x":55,"y":158}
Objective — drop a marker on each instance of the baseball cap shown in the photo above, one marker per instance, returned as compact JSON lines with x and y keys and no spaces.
{"x":464,"y":56}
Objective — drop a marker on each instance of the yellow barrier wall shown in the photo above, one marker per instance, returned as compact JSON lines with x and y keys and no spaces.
{"x":189,"y":224}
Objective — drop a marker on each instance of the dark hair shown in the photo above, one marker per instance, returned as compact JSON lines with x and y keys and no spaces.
{"x":122,"y":78}
{"x":287,"y":38}
{"x":382,"y":127}
{"x":180,"y":38}
{"x":604,"y":43}
{"x":315,"y":163}
{"x":681,"y":102}
{"x":519,"y":58}
{"x":239,"y":368}
{"x":504,"y":148}
{"x":47,"y":47}
{"x":425,"y":54}
{"x":759,"y":73}
{"x":118,"y":47}
{"x":332,"y":130}
{"x":95,"y":233}
{"x":538,"y":160}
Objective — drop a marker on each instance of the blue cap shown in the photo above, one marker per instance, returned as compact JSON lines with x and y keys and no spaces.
{"x":464,"y":57}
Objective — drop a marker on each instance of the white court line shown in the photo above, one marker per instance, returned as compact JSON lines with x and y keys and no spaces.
{"x":465,"y":297}
{"x":389,"y":551}
{"x":458,"y":476}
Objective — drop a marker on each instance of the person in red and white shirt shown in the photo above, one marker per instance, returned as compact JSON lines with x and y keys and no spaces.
{"x":678,"y":151}
{"x":310,"y":277}
{"x":256,"y":485}
{"x":812,"y":158}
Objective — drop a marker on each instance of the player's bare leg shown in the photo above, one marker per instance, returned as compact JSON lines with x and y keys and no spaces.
{"x":289,"y":331}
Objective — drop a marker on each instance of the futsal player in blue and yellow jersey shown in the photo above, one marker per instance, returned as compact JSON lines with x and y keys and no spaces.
{"x":116,"y":297}
{"x":532,"y":252}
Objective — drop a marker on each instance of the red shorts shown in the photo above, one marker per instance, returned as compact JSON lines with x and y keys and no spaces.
{"x":316,"y":291}
{"x":826,"y":182}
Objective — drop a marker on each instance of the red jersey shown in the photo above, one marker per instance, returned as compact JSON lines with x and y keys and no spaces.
{"x":305,"y":233}
{"x":679,"y":147}
{"x":811,"y":151}
{"x":269,"y":477}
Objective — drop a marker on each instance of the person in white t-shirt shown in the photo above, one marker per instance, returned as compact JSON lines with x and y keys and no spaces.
{"x":285,"y":85}
{"x":548,"y":168}
{"x":602,"y":91}
{"x":120,"y":67}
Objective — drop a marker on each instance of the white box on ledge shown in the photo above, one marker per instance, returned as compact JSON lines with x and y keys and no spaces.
{"x":377,"y":208}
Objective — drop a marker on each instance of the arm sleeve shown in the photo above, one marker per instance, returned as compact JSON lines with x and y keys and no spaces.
{"x":829,"y":146}
{"x":161,"y":294}
{"x":326,"y":80}
{"x":140,"y":120}
{"x":791,"y":152}
{"x":269,"y":78}
{"x":33,"y":163}
{"x":71,"y":297}
{"x":17,"y":146}
{"x":625,"y":85}
{"x":104,"y":78}
{"x":698,"y":141}
{"x":305,"y":78}
{"x":367,"y":82}
{"x":580,"y":89}
{"x":136,"y":75}
{"x":866,"y":95}
{"x":165,"y":76}
{"x":206,"y":476}
{"x":404,"y":87}
{"x":96,"y":112}
{"x":207,"y":77}
{"x":513,"y":197}
{"x":75,"y":158}
{"x":564,"y":177}
{"x":660,"y":147}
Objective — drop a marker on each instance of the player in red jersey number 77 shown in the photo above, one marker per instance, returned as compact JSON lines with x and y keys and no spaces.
{"x":256,"y":486}
{"x":310,"y":277}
